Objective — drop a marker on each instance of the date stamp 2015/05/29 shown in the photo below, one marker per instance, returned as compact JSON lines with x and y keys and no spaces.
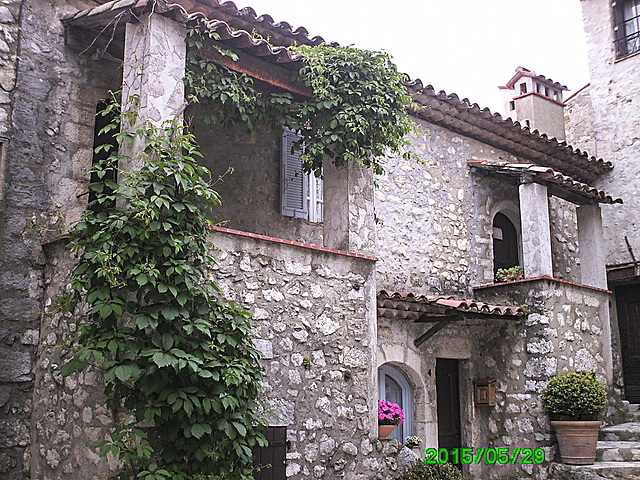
{"x":488,"y":456}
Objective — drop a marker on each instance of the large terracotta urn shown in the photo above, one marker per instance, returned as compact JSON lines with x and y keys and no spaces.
{"x":577,"y":441}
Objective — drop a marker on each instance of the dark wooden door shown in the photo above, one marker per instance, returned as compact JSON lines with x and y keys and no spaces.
{"x":628,"y":305}
{"x":448,"y":393}
{"x":270,"y":460}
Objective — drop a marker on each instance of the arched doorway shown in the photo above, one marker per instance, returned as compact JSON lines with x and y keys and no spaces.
{"x":505,"y":243}
{"x":394,"y":387}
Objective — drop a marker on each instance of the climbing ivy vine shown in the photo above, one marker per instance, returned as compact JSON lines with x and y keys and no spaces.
{"x":173,"y":353}
{"x":357,"y":111}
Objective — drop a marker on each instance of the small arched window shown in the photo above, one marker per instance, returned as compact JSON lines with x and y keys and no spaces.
{"x":394,"y":387}
{"x":505,"y":243}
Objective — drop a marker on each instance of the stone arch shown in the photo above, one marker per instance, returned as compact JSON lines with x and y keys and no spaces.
{"x":409,"y":363}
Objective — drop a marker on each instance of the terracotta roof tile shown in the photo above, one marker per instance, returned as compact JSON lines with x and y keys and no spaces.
{"x":412,"y":307}
{"x":525,"y":72}
{"x":440,"y":108}
{"x":546,"y":175}
{"x":472,"y":120}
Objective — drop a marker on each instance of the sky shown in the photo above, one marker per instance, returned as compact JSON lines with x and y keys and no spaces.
{"x":467,"y":47}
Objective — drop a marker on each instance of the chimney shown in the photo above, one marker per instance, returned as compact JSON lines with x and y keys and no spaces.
{"x":536,"y":102}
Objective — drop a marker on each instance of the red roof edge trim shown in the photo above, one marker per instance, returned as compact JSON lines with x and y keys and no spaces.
{"x":543,"y":277}
{"x":307,"y":246}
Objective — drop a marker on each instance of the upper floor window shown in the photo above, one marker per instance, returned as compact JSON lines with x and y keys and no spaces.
{"x":505,"y":243}
{"x":627,"y":27}
{"x":301,"y":194}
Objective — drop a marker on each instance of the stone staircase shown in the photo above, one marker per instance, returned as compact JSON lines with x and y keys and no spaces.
{"x":617,"y":457}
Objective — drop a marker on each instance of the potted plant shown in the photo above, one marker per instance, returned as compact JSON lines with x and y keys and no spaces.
{"x":414,"y":443}
{"x":575,"y":400}
{"x":390,"y":415}
{"x":510,"y":274}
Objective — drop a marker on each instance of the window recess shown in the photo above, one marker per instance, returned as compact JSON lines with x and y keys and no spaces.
{"x":626,"y":15}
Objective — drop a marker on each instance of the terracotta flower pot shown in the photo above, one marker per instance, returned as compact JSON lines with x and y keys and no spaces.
{"x":577,"y":441}
{"x":418,"y":451}
{"x":385,"y":430}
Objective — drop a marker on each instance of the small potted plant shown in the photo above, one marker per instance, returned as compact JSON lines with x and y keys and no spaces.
{"x":414,"y":443}
{"x":575,"y":401}
{"x":509,"y":274}
{"x":390,"y":415}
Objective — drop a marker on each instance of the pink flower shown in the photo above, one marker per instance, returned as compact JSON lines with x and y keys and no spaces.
{"x":390,"y":413}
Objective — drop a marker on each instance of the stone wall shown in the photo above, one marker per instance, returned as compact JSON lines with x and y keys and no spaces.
{"x":314,"y":321}
{"x":564,"y":330}
{"x":46,"y":161}
{"x":436,"y":232}
{"x":251,"y":192}
{"x":69,"y":417}
{"x":614,"y":94}
{"x":567,"y":328}
{"x":564,"y":240}
{"x":579,"y":120}
{"x":9,"y":15}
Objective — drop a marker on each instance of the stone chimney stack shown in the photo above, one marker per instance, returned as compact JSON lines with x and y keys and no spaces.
{"x":536,"y":102}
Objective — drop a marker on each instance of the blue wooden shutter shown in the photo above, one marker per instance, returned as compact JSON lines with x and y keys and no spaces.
{"x":293,"y":181}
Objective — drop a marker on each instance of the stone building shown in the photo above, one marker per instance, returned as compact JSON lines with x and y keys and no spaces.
{"x":345,"y":311}
{"x":603,"y":117}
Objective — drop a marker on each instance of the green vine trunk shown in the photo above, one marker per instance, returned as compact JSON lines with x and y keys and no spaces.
{"x":171,"y":351}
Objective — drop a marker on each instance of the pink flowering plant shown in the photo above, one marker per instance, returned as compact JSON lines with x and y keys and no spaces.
{"x":389,"y":413}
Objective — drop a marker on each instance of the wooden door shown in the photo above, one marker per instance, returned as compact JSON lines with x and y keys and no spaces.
{"x":628,"y":305}
{"x":448,"y":394}
{"x":270,"y":460}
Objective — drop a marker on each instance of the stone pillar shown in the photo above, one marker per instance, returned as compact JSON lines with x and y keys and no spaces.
{"x":153,"y":72}
{"x":348,"y":208}
{"x":592,"y":258}
{"x":536,"y":234}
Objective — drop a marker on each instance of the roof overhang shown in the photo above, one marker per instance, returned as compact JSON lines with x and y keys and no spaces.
{"x":265,"y":57}
{"x":524,"y":72}
{"x":421,"y":308}
{"x":100,"y":31}
{"x":559,"y":185}
{"x":440,"y":311}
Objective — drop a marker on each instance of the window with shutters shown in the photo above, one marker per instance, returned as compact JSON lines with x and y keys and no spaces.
{"x":301,"y":194}
{"x":627,"y":27}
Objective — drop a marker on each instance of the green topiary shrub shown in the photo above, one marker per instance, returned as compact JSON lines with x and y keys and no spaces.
{"x":574,"y":396}
{"x":420,"y":471}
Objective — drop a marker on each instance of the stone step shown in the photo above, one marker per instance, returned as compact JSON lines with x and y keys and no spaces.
{"x":634,"y":407}
{"x":597,"y":471}
{"x":608,"y":451}
{"x":627,"y":432}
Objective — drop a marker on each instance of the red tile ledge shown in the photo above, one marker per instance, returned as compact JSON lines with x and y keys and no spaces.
{"x":308,"y":246}
{"x":544,"y":277}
